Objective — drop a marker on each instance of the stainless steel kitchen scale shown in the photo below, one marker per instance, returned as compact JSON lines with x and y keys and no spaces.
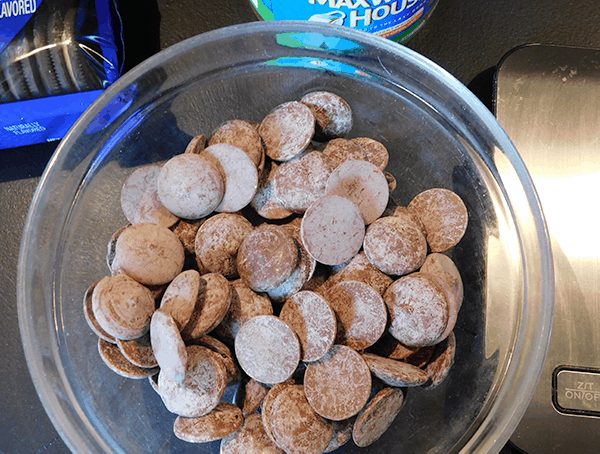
{"x":548,"y":101}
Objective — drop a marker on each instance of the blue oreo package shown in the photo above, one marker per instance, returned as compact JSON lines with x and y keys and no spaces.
{"x":56,"y":58}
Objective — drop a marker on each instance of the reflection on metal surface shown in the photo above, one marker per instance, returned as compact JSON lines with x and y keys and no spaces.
{"x":576,"y":242}
{"x":548,"y":100}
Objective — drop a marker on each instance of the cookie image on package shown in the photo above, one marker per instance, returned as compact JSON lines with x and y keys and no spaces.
{"x":45,"y":58}
{"x":23,"y":51}
{"x":78,"y":67}
{"x":42,"y":56}
{"x":5,"y":93}
{"x":54,"y":36}
{"x":13,"y":71}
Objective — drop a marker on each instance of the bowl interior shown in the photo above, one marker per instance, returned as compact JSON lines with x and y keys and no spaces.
{"x":438,"y":135}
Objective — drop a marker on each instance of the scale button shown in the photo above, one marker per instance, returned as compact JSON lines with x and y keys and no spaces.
{"x":577,"y":391}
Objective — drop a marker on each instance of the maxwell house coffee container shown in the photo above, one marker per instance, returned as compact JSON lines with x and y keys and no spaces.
{"x":397,"y":20}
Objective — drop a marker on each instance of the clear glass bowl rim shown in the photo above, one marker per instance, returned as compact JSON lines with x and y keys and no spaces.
{"x":523,"y":373}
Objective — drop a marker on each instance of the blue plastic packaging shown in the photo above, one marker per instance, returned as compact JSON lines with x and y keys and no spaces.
{"x":56,"y":58}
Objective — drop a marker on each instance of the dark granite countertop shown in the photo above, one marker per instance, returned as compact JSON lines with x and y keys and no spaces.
{"x":467,"y":38}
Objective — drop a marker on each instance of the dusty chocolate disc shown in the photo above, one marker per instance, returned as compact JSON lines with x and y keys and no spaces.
{"x":218,"y":240}
{"x":250,"y":395}
{"x":391,"y":181}
{"x":418,"y":309}
{"x":267,"y":349}
{"x":251,"y":438}
{"x":268,"y":402}
{"x":337,"y":111}
{"x":442,"y":266}
{"x":378,"y":416}
{"x":111,"y":250}
{"x":375,"y":152}
{"x":240,"y":175}
{"x":122,"y":306}
{"x":362,"y":183}
{"x":225,"y":419}
{"x":394,"y":246}
{"x":318,"y":279}
{"x":441,"y":361}
{"x":91,"y":319}
{"x":202,"y":389}
{"x":114,"y":359}
{"x":360,"y":312}
{"x":157,"y":291}
{"x":297,"y":428}
{"x":313,"y":321}
{"x":179,"y":299}
{"x":332,"y":230}
{"x":196,"y":145}
{"x":395,"y":373}
{"x":340,"y":151}
{"x":168,"y":346}
{"x":444,"y":216}
{"x":153,"y":381}
{"x":265,"y":201}
{"x":453,"y":307}
{"x":140,"y":201}
{"x":405,"y":214}
{"x":242,"y":134}
{"x":190,"y":186}
{"x":138,"y":351}
{"x":267,"y":257}
{"x":302,"y":180}
{"x":287,"y":130}
{"x":186,"y":230}
{"x":245,"y":304}
{"x":421,"y":356}
{"x":390,"y":347}
{"x":342,"y":434}
{"x":359,"y":268}
{"x":152,"y":210}
{"x":301,"y":274}
{"x":223,"y":353}
{"x":212,"y":302}
{"x":149,"y":253}
{"x":338,"y":385}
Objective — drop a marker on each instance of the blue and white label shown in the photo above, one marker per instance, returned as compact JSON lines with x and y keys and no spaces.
{"x":13,"y":8}
{"x":387,"y":18}
{"x":14,"y":14}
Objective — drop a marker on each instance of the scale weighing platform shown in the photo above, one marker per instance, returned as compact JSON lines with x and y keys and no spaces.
{"x":547,"y":98}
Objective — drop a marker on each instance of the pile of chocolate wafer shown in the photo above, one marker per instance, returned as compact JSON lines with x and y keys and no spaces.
{"x":271,"y":257}
{"x":46,"y":59}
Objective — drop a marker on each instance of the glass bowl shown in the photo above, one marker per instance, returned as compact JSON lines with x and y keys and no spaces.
{"x":438,"y":135}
